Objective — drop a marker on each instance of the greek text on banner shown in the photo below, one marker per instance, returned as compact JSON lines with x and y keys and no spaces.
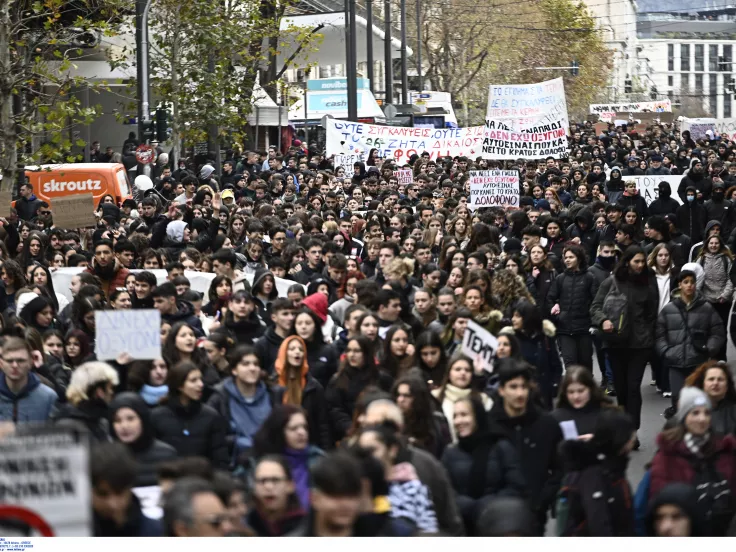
{"x":136,"y":332}
{"x":400,"y":143}
{"x":493,"y":189}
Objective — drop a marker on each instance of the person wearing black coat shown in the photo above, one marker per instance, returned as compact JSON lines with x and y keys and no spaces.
{"x":568,"y":300}
{"x":192,"y":428}
{"x":90,"y":415}
{"x":691,"y":216}
{"x":534,"y":433}
{"x":358,"y":371}
{"x":629,"y":351}
{"x":173,"y":235}
{"x":632,"y":198}
{"x":482,"y":465}
{"x":148,"y":451}
{"x":689,"y":331}
{"x":695,"y":178}
{"x":664,"y":204}
{"x":580,"y":400}
{"x":599,"y":497}
{"x":583,"y":229}
{"x":244,"y":331}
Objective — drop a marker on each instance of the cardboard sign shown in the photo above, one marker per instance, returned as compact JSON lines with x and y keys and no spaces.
{"x":526,"y":120}
{"x":6,"y":197}
{"x":607,"y":112}
{"x":600,"y":128}
{"x":136,"y":332}
{"x":493,"y":189}
{"x":478,"y":341}
{"x":44,"y":483}
{"x":77,"y":211}
{"x":405,"y":176}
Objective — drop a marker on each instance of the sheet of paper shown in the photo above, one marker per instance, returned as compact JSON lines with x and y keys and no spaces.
{"x":569,"y":430}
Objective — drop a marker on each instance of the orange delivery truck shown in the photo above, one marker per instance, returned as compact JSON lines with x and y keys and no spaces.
{"x":54,"y":181}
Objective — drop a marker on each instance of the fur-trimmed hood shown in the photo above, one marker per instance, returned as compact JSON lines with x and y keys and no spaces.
{"x":548,"y":329}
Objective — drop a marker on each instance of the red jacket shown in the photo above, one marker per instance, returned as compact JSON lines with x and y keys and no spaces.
{"x":674,"y":463}
{"x":118,"y":281}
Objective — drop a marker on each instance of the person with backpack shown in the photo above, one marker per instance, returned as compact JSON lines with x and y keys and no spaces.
{"x":690,"y":452}
{"x":625,"y":308}
{"x":595,"y":498}
{"x":689,"y":332}
{"x":716,"y":286}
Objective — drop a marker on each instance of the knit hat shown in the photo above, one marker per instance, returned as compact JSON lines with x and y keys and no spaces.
{"x":175,"y":230}
{"x":317,"y":303}
{"x":690,"y":399}
{"x":512,"y":245}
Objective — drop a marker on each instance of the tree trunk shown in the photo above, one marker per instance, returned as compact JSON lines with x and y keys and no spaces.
{"x":8,"y":137}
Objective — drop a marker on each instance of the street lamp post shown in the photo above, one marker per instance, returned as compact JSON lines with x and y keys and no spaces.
{"x":389,"y":69}
{"x":351,"y":57}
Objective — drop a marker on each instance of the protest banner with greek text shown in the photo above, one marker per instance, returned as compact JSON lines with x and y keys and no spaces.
{"x":347,"y":162}
{"x":607,"y":112}
{"x":698,"y":127}
{"x":479,"y":343}
{"x":404,"y":176}
{"x":400,"y":143}
{"x":44,"y":484}
{"x":526,"y":120}
{"x":493,"y":189}
{"x":136,"y":332}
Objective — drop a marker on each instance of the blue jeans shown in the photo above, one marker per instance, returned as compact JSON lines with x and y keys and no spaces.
{"x":604,"y":363}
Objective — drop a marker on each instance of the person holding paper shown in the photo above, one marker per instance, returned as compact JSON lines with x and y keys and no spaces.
{"x":580,"y":401}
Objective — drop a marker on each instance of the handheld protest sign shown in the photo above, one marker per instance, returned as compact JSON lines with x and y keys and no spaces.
{"x":136,"y":332}
{"x":479,"y":343}
{"x":493,"y":188}
{"x":75,"y":211}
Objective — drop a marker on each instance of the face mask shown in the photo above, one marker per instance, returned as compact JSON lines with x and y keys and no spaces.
{"x":690,"y":199}
{"x":718,"y":195}
{"x":607,"y":262}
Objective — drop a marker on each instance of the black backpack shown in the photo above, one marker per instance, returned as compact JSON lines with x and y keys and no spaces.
{"x":616,"y":309}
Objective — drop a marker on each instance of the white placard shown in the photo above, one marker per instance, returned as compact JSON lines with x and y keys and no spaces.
{"x":477,"y":341}
{"x":347,"y":162}
{"x":569,"y":430}
{"x":493,"y":189}
{"x":648,"y":185}
{"x":725,"y":128}
{"x":404,"y":176}
{"x":526,"y":120}
{"x":44,"y":480}
{"x":136,"y":332}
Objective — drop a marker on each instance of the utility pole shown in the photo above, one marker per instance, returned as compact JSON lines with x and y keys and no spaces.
{"x":351,"y":56}
{"x":404,"y":77}
{"x":389,"y":68}
{"x":369,"y":44}
{"x":419,"y":49}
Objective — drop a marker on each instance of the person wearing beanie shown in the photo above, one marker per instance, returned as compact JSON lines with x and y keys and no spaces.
{"x":317,"y":303}
{"x":719,"y":208}
{"x":674,"y":512}
{"x":655,"y":166}
{"x":691,"y":453}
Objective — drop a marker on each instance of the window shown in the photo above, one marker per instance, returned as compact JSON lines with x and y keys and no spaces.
{"x":727,"y":57}
{"x":713,"y":58}
{"x":699,"y":57}
{"x":727,"y":98}
{"x":684,"y":83}
{"x":670,"y":57}
{"x":670,"y":81}
{"x":684,"y":57}
{"x":699,"y":84}
{"x":713,"y":94}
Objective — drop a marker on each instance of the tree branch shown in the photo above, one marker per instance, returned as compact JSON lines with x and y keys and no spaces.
{"x":298,"y":49}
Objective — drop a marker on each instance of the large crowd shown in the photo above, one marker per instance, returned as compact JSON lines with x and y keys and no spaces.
{"x":319,"y":386}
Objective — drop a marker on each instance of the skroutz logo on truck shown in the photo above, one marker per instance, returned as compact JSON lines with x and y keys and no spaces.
{"x":55,"y":186}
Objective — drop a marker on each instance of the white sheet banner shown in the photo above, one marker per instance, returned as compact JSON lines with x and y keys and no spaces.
{"x":606,"y":112}
{"x":725,"y":128}
{"x":493,"y":189}
{"x":648,"y":186}
{"x":400,"y":143}
{"x":347,"y":162}
{"x":526,"y":120}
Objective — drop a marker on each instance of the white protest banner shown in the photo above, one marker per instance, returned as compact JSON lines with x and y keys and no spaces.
{"x":400,"y":143}
{"x":606,"y":112}
{"x":347,"y":162}
{"x":404,"y":176}
{"x":136,"y":332}
{"x":45,"y":485}
{"x":648,"y":185}
{"x":493,"y":189}
{"x":526,"y":120}
{"x":478,"y":341}
{"x":725,"y":128}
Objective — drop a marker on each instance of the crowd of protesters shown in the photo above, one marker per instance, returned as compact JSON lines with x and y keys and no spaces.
{"x":319,"y":386}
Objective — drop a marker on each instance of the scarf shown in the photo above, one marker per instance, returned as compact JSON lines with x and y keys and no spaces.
{"x":454,"y":394}
{"x":152,"y":395}
{"x":696,"y":443}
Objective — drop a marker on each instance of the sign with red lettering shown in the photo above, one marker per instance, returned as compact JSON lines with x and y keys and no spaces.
{"x":493,"y":189}
{"x":144,"y":154}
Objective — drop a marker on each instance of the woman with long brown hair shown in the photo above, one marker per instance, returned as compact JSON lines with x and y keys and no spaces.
{"x":299,"y":388}
{"x":580,"y":400}
{"x":714,"y":377}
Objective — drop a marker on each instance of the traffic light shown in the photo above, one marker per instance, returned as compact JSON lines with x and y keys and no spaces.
{"x":574,"y":68}
{"x":162,"y":124}
{"x":148,"y":131}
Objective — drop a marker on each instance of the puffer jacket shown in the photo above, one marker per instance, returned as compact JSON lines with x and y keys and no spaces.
{"x":675,"y":327}
{"x":643,"y":301}
{"x":723,"y":417}
{"x":716,"y":283}
{"x":574,"y":291}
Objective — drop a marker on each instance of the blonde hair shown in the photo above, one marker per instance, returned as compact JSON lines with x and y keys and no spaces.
{"x":89,"y":375}
{"x":399,"y":266}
